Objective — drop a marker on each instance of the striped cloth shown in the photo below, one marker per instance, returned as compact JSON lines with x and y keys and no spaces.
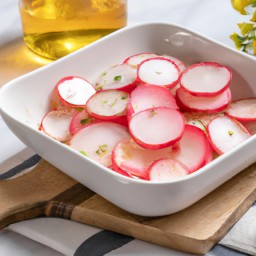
{"x":70,"y":238}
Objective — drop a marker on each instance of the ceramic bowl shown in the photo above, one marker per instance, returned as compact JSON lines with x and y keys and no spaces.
{"x":25,"y":100}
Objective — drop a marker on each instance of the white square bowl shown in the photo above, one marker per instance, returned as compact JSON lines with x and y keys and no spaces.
{"x":24,"y":101}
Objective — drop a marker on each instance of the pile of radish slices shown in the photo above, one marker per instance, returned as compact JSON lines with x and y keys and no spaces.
{"x":151,"y":117}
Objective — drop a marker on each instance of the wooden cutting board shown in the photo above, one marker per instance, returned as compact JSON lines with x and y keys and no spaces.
{"x":46,"y":191}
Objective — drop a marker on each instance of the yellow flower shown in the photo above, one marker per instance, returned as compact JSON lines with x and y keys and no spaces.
{"x":239,"y":5}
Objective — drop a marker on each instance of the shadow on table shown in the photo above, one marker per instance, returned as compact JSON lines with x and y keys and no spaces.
{"x":16,"y":59}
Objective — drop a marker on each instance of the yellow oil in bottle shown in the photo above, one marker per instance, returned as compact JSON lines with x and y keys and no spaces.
{"x":55,"y":28}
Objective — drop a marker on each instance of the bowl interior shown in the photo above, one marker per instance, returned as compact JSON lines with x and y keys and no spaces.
{"x":27,"y":98}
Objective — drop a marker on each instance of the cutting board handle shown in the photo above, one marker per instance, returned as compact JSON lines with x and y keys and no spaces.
{"x":44,"y":191}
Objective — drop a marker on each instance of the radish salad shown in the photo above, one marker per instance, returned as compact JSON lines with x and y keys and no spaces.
{"x":151,"y":117}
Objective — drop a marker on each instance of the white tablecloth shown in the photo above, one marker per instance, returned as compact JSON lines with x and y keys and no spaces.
{"x":214,"y":18}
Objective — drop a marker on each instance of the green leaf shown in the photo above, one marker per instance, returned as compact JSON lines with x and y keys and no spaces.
{"x":83,"y":153}
{"x":79,"y":109}
{"x":86,"y":121}
{"x":237,"y":40}
{"x":117,"y":78}
{"x":245,"y":27}
{"x":253,"y":18}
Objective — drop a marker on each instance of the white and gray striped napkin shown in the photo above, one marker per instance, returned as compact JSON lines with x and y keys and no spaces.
{"x":71,"y":238}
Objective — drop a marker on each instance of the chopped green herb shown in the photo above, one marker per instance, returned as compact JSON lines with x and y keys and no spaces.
{"x":79,"y":109}
{"x":114,"y":103}
{"x":83,"y":153}
{"x":98,"y":87}
{"x":153,"y":112}
{"x":117,"y":78}
{"x":85,"y":121}
{"x":230,"y":133}
{"x":124,"y":97}
{"x":104,"y":73}
{"x":102,"y":150}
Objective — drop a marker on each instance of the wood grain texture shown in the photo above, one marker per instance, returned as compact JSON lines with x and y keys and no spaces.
{"x":46,"y":191}
{"x":195,"y":229}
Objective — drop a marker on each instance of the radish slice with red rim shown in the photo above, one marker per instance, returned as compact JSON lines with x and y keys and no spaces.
{"x":80,"y":120}
{"x":56,"y":124}
{"x":129,"y":157}
{"x":180,"y":64}
{"x":120,"y":77}
{"x":194,"y":151}
{"x":250,"y":126}
{"x":167,"y":170}
{"x":243,"y":110}
{"x":108,"y":105}
{"x":136,"y":59}
{"x":188,"y":102}
{"x":158,"y":71}
{"x":157,"y":128}
{"x":98,"y":140}
{"x":199,"y":119}
{"x":73,"y":91}
{"x":174,"y":89}
{"x":225,"y":133}
{"x":150,"y":96}
{"x":206,"y":79}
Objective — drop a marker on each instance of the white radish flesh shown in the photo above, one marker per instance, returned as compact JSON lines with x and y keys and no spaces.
{"x":107,"y":105}
{"x":243,"y":110}
{"x":158,"y":71}
{"x":136,"y":59}
{"x":74,"y":91}
{"x":225,"y":133}
{"x":166,"y":170}
{"x":135,"y":160}
{"x":180,"y":64}
{"x":56,"y":124}
{"x":194,"y":151}
{"x":188,"y":102}
{"x":80,"y":120}
{"x":98,"y":140}
{"x":201,"y":120}
{"x":150,"y":96}
{"x":157,"y":128}
{"x":121,"y":77}
{"x":206,"y":79}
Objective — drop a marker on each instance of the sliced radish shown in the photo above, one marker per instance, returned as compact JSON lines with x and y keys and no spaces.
{"x":129,"y":157}
{"x":167,"y":170}
{"x":201,"y":120}
{"x":108,"y":105}
{"x":136,"y":59}
{"x":150,"y":96}
{"x":158,"y":71}
{"x":243,"y":110}
{"x":180,"y":64}
{"x":80,"y":120}
{"x":194,"y":151}
{"x":174,"y":89}
{"x":188,"y":102}
{"x":56,"y":124}
{"x":157,"y":128}
{"x":98,"y":140}
{"x":250,"y":126}
{"x":72,"y":91}
{"x":121,"y":77}
{"x":225,"y":133}
{"x":206,"y":79}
